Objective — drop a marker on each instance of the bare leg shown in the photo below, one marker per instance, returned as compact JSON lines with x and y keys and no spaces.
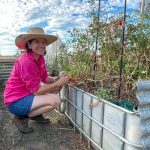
{"x":40,"y":111}
{"x":44,"y":103}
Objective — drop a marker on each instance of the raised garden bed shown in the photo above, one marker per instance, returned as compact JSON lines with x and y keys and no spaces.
{"x":106,"y":125}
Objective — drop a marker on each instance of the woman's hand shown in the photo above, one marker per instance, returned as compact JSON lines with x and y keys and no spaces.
{"x":63,"y":80}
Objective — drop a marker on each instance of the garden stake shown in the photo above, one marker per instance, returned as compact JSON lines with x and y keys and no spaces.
{"x":96,"y":45}
{"x":121,"y":50}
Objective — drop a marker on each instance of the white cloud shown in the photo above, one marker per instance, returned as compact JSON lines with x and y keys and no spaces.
{"x":118,"y":3}
{"x":59,"y":16}
{"x":134,"y":4}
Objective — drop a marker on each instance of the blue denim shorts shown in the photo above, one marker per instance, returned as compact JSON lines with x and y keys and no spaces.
{"x":22,"y":106}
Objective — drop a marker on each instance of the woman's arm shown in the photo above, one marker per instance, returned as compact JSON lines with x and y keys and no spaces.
{"x":53,"y":86}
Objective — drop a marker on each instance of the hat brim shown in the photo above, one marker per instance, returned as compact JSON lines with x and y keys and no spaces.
{"x":22,"y":39}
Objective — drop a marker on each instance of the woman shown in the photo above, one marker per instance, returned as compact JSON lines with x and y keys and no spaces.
{"x":24,"y":96}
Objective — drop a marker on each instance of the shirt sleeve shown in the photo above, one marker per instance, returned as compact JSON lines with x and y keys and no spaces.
{"x":30,"y":75}
{"x":44,"y":73}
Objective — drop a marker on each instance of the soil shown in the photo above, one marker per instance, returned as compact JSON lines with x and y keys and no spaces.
{"x":126,"y":93}
{"x":58,"y":135}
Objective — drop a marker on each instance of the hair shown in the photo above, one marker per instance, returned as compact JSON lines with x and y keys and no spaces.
{"x":45,"y":52}
{"x":27,"y":46}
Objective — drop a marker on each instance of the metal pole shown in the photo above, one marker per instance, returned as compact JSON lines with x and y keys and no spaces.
{"x":122,"y":49}
{"x":96,"y":44}
{"x":142,"y":6}
{"x":142,"y":10}
{"x":56,"y":46}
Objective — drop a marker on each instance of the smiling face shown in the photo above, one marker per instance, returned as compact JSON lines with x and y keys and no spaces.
{"x":38,"y":46}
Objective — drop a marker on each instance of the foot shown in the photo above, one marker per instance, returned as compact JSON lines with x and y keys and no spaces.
{"x":40,"y":119}
{"x":22,"y":124}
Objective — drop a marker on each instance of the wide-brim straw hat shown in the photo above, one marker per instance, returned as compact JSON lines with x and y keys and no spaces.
{"x":33,"y":33}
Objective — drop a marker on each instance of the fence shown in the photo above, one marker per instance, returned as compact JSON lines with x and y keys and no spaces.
{"x":6,"y":65}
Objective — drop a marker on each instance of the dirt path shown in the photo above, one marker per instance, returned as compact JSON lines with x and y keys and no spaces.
{"x":56,"y":136}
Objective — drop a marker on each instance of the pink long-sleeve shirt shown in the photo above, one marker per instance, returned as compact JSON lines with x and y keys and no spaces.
{"x":25,"y":77}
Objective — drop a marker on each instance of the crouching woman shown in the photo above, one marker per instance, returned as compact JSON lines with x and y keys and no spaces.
{"x":24,"y":96}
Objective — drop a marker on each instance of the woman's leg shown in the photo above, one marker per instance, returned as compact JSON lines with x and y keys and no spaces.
{"x":44,"y":103}
{"x":40,"y":111}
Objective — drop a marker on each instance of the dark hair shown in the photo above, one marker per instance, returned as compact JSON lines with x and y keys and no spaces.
{"x":45,"y":52}
{"x":27,"y":47}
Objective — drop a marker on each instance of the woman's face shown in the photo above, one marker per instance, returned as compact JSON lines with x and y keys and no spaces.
{"x":38,"y":46}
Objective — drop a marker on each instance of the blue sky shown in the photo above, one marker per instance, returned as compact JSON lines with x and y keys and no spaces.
{"x":55,"y":16}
